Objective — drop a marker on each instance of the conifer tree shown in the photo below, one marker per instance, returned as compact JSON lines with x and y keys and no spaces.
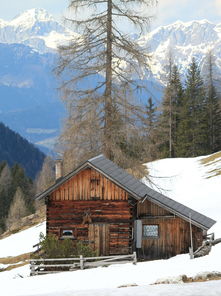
{"x":150,"y":124}
{"x":6,"y":190}
{"x":170,"y":114}
{"x":213,"y":108}
{"x":193,"y":127}
{"x":5,"y":193}
{"x":10,"y":180}
{"x":151,"y":116}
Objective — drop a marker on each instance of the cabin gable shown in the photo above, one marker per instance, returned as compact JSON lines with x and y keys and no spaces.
{"x":89,"y":184}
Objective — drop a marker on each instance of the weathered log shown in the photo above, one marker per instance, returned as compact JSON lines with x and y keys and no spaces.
{"x":216,"y":241}
{"x":202,"y":251}
{"x":206,"y":248}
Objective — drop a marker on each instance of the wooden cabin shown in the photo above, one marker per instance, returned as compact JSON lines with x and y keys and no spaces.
{"x":102,"y":205}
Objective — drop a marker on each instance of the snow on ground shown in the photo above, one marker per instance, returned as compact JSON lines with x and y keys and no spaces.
{"x":185,"y":180}
{"x":108,"y":279}
{"x":194,"y":289}
{"x":21,"y":242}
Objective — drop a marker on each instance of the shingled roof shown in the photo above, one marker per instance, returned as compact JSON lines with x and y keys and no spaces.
{"x":137,"y":189}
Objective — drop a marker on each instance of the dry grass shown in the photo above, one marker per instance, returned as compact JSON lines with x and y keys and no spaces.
{"x":15,"y":262}
{"x":15,"y":266}
{"x":16,"y":259}
{"x":215,"y":172}
{"x":211,"y":159}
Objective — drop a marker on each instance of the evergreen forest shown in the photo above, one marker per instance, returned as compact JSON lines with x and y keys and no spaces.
{"x":189,"y":120}
{"x":15,"y":149}
{"x":16,"y":195}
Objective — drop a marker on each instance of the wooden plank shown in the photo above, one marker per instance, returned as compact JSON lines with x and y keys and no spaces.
{"x":102,"y":189}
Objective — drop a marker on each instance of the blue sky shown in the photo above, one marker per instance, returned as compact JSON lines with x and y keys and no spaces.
{"x":187,"y":10}
{"x":167,"y":11}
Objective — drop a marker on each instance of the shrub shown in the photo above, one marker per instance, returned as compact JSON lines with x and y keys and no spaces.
{"x":52,"y":247}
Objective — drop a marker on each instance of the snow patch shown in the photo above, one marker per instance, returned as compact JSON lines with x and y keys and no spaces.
{"x":21,"y":242}
{"x":186,"y":181}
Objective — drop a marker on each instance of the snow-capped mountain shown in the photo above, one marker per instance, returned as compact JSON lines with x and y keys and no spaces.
{"x":27,"y":55}
{"x":39,"y":30}
{"x":182,"y":41}
{"x":35,"y":28}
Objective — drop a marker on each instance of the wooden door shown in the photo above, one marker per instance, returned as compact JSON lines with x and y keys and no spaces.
{"x":99,"y":238}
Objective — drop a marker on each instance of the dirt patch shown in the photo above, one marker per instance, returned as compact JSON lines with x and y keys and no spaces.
{"x":128,"y":285}
{"x":181,"y":279}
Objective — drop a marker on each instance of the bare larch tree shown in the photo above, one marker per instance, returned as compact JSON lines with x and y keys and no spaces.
{"x":100,"y":69}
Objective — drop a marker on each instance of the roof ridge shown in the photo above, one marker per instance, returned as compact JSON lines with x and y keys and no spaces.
{"x":95,"y":157}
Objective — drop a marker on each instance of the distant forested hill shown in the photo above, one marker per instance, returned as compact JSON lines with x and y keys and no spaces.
{"x":15,"y":149}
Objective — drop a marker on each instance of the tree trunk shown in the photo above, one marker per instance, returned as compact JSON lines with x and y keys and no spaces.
{"x":108,"y":85}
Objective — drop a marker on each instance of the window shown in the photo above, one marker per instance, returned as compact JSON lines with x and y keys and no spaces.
{"x":151,"y":231}
{"x":67,"y":233}
{"x":95,"y":181}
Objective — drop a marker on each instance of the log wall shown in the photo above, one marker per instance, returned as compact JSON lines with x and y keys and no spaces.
{"x":174,"y":233}
{"x":95,"y":209}
{"x":69,"y":215}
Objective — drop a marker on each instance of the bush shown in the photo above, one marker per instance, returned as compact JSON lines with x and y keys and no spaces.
{"x":52,"y":247}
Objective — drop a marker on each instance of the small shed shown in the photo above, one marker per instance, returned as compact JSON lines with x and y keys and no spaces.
{"x":102,"y":205}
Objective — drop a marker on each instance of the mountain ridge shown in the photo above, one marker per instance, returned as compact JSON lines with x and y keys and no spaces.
{"x":36,"y":28}
{"x":183,"y":40}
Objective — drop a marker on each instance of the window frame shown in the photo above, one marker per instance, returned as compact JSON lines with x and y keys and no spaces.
{"x":63,"y":236}
{"x":153,"y":236}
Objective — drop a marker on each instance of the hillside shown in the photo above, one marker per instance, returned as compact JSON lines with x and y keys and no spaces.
{"x":192,"y":181}
{"x":15,"y":149}
{"x":28,"y":93}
